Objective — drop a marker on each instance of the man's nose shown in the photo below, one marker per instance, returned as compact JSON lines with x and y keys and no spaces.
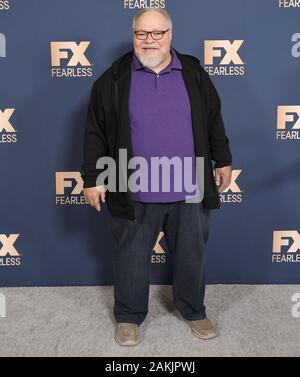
{"x":149,"y":39}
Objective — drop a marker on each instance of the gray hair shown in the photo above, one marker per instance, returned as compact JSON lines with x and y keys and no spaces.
{"x":163,"y":12}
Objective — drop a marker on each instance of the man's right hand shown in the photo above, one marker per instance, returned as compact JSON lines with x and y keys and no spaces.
{"x":92,"y":196}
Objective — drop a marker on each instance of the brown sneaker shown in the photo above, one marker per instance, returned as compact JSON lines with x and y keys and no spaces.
{"x":127,"y":334}
{"x":203,"y":329}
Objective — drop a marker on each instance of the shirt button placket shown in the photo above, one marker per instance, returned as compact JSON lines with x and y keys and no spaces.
{"x":157,"y":82}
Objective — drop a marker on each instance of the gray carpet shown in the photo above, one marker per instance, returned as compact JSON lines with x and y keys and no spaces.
{"x":252,"y":320}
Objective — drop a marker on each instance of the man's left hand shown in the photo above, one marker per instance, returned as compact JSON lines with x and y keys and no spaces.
{"x":223,"y":177}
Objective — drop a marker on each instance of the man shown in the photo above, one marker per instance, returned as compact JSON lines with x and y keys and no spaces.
{"x":154,"y":101}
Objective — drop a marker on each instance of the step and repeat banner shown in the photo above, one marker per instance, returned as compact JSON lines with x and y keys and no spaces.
{"x":51,"y":51}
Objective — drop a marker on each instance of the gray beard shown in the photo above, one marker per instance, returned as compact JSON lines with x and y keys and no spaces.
{"x":151,"y":62}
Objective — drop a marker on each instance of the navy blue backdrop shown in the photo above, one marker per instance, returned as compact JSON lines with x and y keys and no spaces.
{"x":51,"y":53}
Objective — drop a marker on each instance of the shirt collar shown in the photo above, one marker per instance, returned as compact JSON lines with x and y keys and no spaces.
{"x":175,"y":63}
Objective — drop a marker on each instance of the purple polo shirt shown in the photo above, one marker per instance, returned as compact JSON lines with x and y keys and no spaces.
{"x":161,"y":125}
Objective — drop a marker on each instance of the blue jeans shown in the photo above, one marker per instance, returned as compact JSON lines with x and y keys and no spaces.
{"x":186,"y":229}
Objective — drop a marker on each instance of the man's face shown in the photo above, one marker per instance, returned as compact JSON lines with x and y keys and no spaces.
{"x":152,"y":52}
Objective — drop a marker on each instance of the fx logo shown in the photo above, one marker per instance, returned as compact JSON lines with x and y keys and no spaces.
{"x":296,"y":307}
{"x":214,"y":49}
{"x":5,"y":124}
{"x":284,"y":238}
{"x":158,"y":248}
{"x":288,"y":114}
{"x":2,"y":306}
{"x":233,"y":187}
{"x":66,"y":180}
{"x":8,"y":245}
{"x":2,"y":46}
{"x":296,"y":46}
{"x":61,"y":50}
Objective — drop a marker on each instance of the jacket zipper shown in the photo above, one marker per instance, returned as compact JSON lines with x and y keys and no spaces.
{"x":207,"y":145}
{"x":118,"y":121}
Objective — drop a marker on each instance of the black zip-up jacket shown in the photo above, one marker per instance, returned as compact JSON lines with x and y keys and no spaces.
{"x":107,"y":128}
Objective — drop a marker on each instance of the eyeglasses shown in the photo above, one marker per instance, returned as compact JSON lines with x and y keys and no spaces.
{"x":156,"y":35}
